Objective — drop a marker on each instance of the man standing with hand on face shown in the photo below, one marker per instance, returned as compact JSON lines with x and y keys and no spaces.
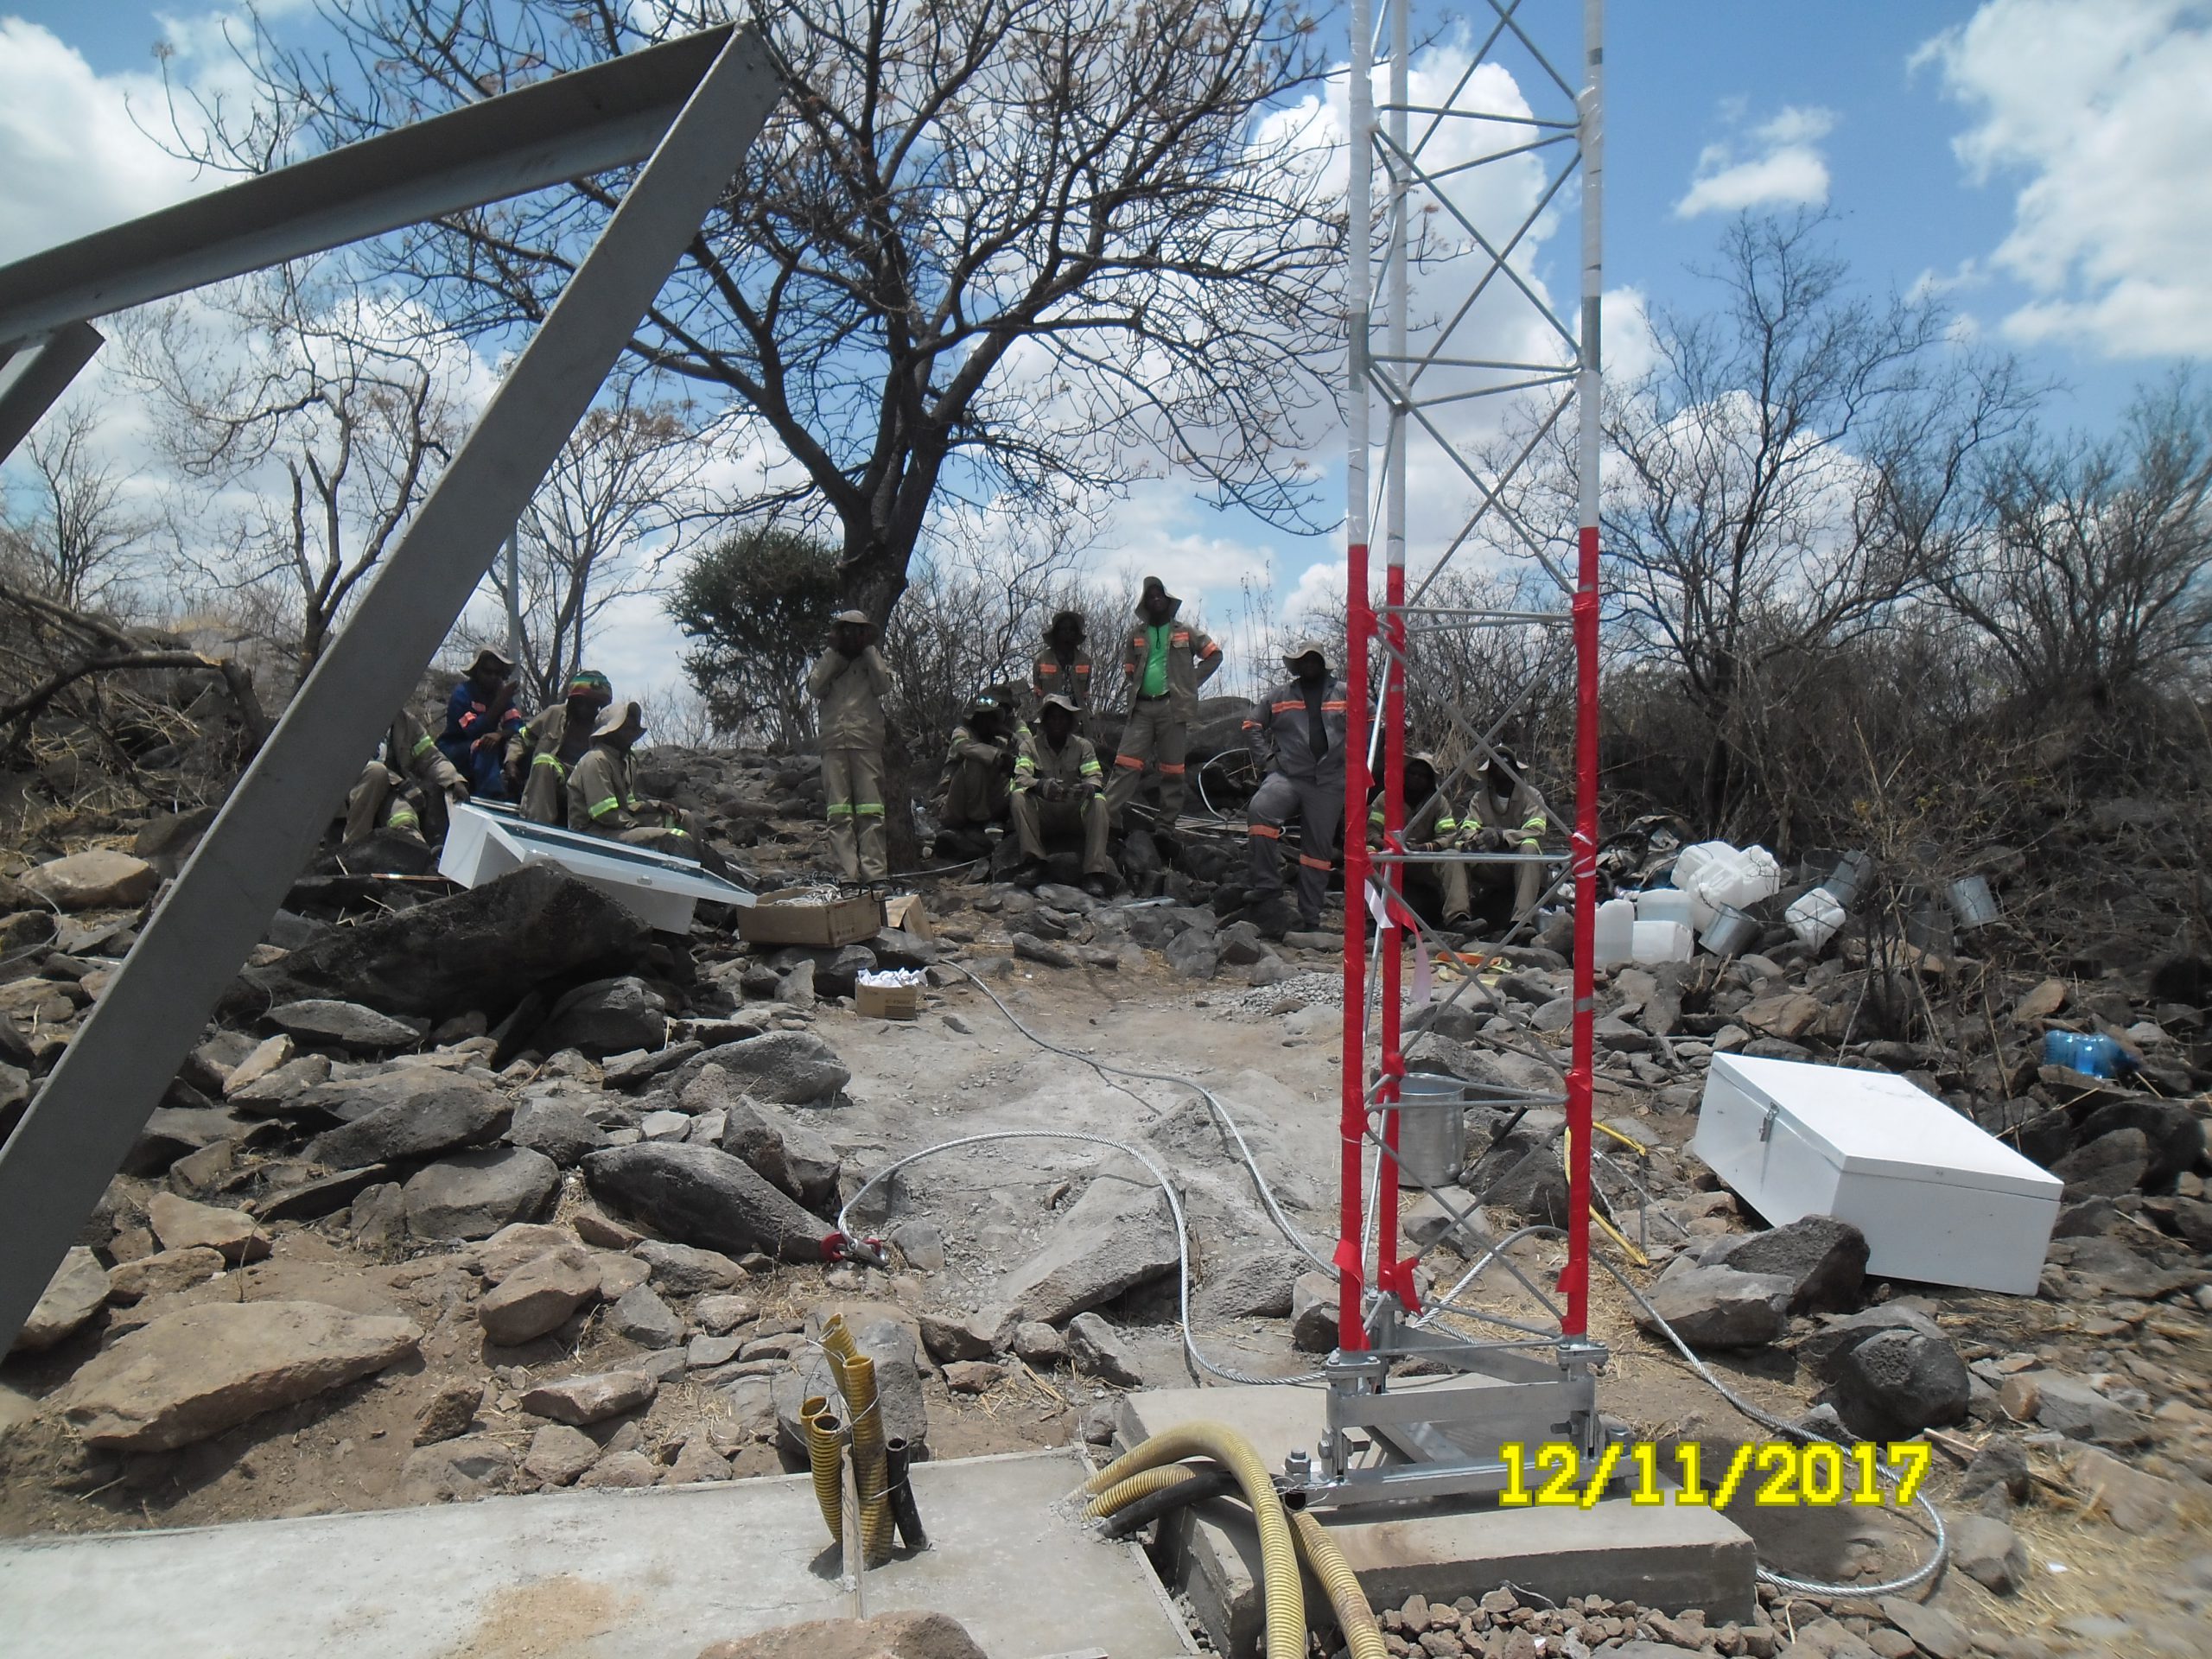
{"x":849,"y":680}
{"x":1164,"y":663}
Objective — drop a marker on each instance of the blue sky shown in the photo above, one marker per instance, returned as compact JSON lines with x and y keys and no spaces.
{"x":2042,"y":160}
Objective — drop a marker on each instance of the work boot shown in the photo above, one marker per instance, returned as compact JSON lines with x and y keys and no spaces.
{"x":1272,"y":915}
{"x":1031,"y":875}
{"x":1098,"y":886}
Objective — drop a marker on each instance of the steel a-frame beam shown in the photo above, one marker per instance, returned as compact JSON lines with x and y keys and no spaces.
{"x":92,"y":1107}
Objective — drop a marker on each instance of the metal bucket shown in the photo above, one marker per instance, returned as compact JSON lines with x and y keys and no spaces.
{"x":1928,"y":927}
{"x":1972,"y":903}
{"x":1848,"y":877}
{"x":1731,"y":932}
{"x":1432,"y":1130}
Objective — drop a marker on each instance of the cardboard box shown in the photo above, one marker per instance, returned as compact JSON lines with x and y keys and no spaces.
{"x":887,"y":1002}
{"x":802,"y":919}
{"x":908,"y":914}
{"x":1940,"y":1199}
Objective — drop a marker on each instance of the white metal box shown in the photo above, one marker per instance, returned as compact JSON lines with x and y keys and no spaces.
{"x":1940,"y":1200}
{"x":484,"y":843}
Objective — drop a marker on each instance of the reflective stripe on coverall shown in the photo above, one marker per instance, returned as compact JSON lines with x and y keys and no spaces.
{"x":1299,"y":784}
{"x":1080,"y":811}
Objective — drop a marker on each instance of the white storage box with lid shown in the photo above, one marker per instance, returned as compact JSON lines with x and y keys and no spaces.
{"x":486,"y":841}
{"x":1939,"y":1199}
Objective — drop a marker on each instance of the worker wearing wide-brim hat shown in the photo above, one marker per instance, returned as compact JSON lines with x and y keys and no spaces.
{"x":1297,"y":738}
{"x":481,"y":716}
{"x":551,"y":742}
{"x":849,"y":680}
{"x":1057,"y":795}
{"x":1506,"y":815}
{"x":1164,"y":663}
{"x":603,"y":798}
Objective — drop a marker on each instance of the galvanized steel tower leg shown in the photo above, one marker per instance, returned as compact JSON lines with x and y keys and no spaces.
{"x":77,"y":1132}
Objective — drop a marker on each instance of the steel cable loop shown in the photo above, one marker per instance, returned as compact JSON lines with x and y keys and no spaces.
{"x":1911,"y":1580}
{"x":1288,"y":1229}
{"x":1175,"y":1206}
{"x":1781,"y":1581}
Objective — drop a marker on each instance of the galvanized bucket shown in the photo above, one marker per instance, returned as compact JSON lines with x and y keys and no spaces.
{"x":1849,"y":875}
{"x":1731,"y":932}
{"x":1432,"y":1130}
{"x":1972,"y":903}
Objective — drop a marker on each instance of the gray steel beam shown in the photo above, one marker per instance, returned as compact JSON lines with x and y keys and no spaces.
{"x":34,"y":375}
{"x":83,"y":1121}
{"x":567,"y":127}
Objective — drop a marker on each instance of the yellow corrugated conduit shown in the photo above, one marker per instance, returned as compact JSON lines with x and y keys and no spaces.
{"x":825,"y":1458}
{"x":1123,"y":1493}
{"x":1327,"y":1563}
{"x":1285,"y":1592}
{"x":855,"y":1374}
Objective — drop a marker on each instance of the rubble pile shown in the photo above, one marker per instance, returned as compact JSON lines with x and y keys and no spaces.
{"x":498,"y":1191}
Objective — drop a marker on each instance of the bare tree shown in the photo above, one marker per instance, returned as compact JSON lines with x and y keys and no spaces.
{"x":989,"y":247}
{"x":307,"y":405}
{"x":76,"y":544}
{"x":2095,"y":578}
{"x":1791,"y":465}
{"x":627,"y":474}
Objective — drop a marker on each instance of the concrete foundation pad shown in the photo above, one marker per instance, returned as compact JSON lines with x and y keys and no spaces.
{"x":651,"y":1574}
{"x":1655,"y":1555}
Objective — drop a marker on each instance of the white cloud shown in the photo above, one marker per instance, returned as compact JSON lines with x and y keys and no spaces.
{"x":2105,"y":110}
{"x":1778,"y":163}
{"x":73,"y":158}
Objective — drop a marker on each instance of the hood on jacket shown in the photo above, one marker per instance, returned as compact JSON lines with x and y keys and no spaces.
{"x":1154,"y":584}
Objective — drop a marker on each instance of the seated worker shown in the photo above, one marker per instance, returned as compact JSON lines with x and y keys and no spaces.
{"x":1058,"y":786}
{"x":1437,"y":891}
{"x":548,"y":747}
{"x":408,"y":779}
{"x":603,"y":791}
{"x":981,"y":763}
{"x":1297,"y":738}
{"x":480,"y":716}
{"x":1506,"y":816}
{"x":1063,"y":668}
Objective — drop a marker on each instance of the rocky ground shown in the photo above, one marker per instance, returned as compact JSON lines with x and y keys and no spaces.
{"x":496,"y":1191}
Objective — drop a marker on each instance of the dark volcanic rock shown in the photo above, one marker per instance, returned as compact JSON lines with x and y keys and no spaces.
{"x":1897,"y":1382}
{"x":703,"y":1195}
{"x":608,"y":1016}
{"x":432,"y":1111}
{"x":482,"y":950}
{"x":1824,"y":1258}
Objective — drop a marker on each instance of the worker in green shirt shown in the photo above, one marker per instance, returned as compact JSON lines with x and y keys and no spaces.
{"x":1164,"y":663}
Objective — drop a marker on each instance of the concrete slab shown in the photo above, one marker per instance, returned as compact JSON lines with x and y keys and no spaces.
{"x":1662,"y":1556}
{"x":651,"y":1574}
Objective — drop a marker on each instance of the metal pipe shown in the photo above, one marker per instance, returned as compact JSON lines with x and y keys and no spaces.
{"x":1393,"y":1274}
{"x":83,"y":1121}
{"x":1574,"y":1279}
{"x":1352,"y":1126}
{"x":900,"y":1491}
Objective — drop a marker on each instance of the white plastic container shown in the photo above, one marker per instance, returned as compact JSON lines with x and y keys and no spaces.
{"x":1694,"y":861}
{"x":1661,"y":941}
{"x":482,"y":845}
{"x":1939,"y":1200}
{"x":1615,"y":933}
{"x":1728,"y":878}
{"x":1663,"y":904}
{"x":1814,"y":916}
